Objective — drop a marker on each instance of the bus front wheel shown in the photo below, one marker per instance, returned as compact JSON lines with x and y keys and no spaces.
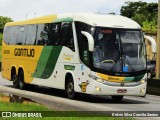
{"x":70,"y":88}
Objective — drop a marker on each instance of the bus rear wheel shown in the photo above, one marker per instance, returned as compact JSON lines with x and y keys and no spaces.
{"x":14,"y":79}
{"x":21,"y":80}
{"x":70,"y":88}
{"x":117,"y":98}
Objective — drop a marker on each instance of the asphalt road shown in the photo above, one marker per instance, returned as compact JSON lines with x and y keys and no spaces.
{"x":4,"y":82}
{"x":56,"y":99}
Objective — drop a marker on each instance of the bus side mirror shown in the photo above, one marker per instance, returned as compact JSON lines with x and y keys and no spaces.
{"x":153,"y":43}
{"x":90,"y":40}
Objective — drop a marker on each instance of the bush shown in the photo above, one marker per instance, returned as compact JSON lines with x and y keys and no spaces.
{"x":0,"y":39}
{"x":149,"y":27}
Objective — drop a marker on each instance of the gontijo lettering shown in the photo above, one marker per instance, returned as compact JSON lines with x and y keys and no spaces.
{"x":24,"y":52}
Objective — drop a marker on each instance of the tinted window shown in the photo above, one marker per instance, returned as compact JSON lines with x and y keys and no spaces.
{"x":13,"y":35}
{"x":67,"y":35}
{"x":40,"y":35}
{"x":31,"y":34}
{"x":54,"y":34}
{"x":6,"y":34}
{"x":21,"y":35}
{"x":45,"y":35}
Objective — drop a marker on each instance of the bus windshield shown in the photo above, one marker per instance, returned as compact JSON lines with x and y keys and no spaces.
{"x":119,"y":50}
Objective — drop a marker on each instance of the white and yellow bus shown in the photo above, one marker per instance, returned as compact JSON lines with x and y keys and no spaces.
{"x":80,"y":53}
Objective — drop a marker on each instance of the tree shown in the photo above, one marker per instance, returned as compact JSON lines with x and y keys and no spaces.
{"x":3,"y":21}
{"x":149,"y":27}
{"x":0,"y":40}
{"x":132,"y":8}
{"x":145,"y":14}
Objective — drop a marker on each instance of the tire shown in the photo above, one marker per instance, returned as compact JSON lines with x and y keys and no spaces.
{"x":22,"y":85}
{"x":14,"y":79}
{"x":117,"y":98}
{"x":149,"y":75}
{"x":70,"y":88}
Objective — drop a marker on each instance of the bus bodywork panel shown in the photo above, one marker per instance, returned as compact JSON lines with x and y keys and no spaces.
{"x":115,"y":21}
{"x":48,"y":65}
{"x":45,"y":19}
{"x":25,"y":57}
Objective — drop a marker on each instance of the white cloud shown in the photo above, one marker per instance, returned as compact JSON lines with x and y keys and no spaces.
{"x":17,"y":9}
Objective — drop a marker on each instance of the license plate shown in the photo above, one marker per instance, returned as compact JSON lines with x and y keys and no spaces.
{"x":122,"y":91}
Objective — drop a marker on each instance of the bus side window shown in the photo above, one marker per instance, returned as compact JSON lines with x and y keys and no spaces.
{"x":54,"y":33}
{"x":31,"y":34}
{"x":6,"y":34}
{"x":39,"y":34}
{"x":21,"y":35}
{"x":67,"y":35}
{"x":45,"y":35}
{"x":13,"y":35}
{"x":42,"y":34}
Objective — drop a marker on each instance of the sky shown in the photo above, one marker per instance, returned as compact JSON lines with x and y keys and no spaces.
{"x":27,"y":9}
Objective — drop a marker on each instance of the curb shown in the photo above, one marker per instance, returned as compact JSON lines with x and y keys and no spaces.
{"x":53,"y":102}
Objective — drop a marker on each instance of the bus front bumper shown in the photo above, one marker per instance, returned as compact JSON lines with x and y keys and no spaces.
{"x":103,"y":89}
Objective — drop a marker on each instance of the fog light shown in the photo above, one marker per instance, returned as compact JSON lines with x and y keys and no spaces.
{"x":142,"y":90}
{"x":98,"y":89}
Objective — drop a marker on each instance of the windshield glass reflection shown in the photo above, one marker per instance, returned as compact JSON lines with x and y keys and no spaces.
{"x":118,"y":50}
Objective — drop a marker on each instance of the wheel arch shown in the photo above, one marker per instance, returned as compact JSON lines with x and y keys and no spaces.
{"x":19,"y":69}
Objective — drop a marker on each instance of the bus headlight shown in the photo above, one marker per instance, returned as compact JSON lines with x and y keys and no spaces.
{"x":142,"y":81}
{"x":96,"y":78}
{"x":99,"y":80}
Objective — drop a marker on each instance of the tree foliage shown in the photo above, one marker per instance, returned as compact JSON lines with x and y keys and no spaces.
{"x":145,"y":14}
{"x":3,"y":21}
{"x":0,"y":39}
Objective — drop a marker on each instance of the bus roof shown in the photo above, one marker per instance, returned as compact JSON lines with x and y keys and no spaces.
{"x":39,"y":20}
{"x":103,"y":20}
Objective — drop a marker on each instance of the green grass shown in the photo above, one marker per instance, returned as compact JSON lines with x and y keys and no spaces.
{"x":4,"y":106}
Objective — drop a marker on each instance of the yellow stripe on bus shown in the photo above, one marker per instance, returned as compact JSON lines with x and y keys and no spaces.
{"x":40,"y":20}
{"x":110,"y":78}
